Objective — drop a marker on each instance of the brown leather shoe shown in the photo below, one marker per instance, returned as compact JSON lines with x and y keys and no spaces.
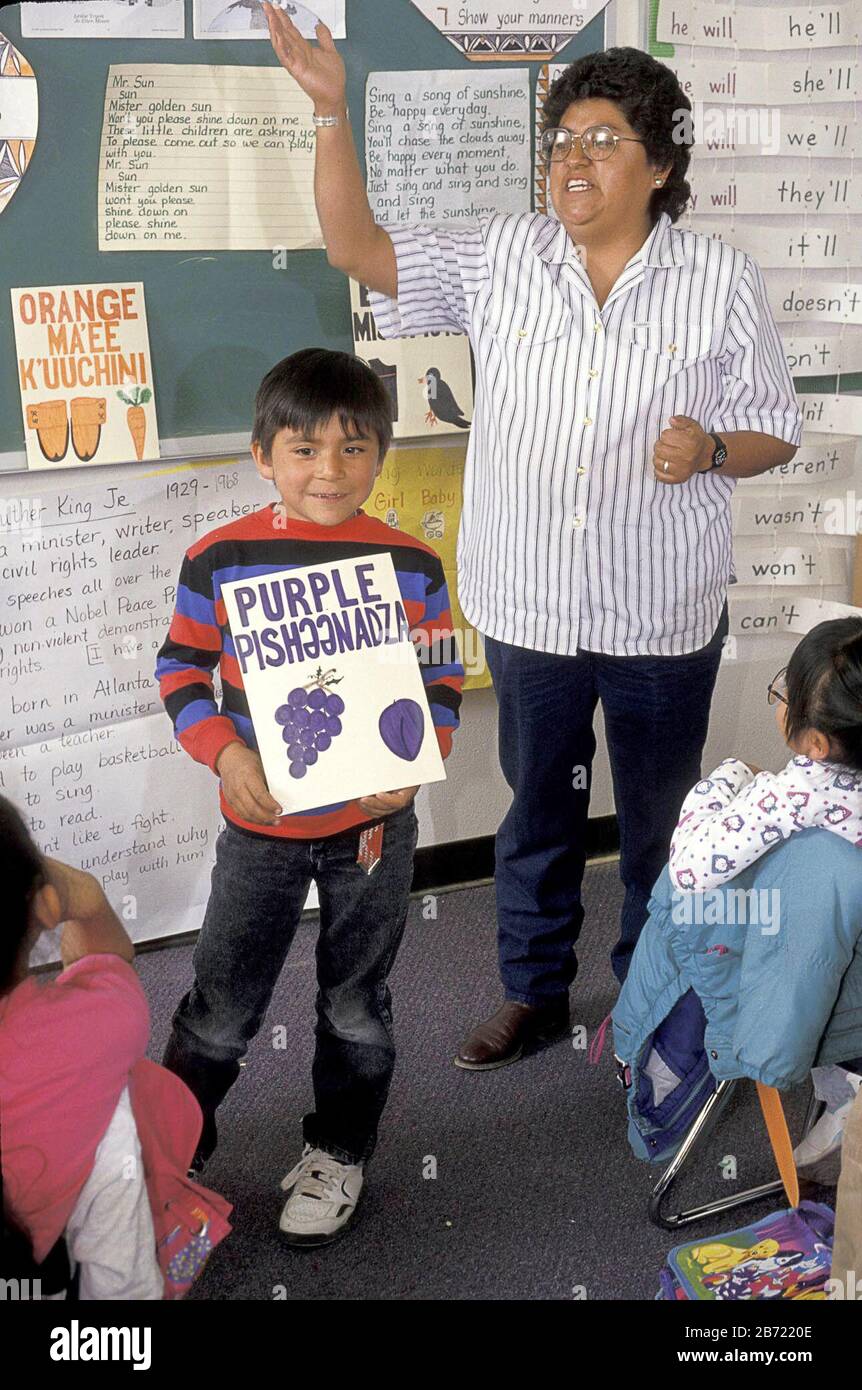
{"x":502,"y":1038}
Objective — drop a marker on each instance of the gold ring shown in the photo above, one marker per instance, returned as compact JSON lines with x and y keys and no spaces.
{"x":666,"y":466}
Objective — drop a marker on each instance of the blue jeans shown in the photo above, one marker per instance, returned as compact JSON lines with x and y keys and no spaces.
{"x":259,"y":886}
{"x":656,"y":713}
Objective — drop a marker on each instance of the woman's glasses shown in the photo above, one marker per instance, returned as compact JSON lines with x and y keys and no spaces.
{"x":597,"y":143}
{"x":775,"y":690}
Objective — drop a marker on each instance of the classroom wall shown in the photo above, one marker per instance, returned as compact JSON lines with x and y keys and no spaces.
{"x":166,"y":886}
{"x":475,"y":797}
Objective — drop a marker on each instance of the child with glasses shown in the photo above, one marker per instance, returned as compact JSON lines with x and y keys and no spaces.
{"x":729,"y":819}
{"x":738,"y":813}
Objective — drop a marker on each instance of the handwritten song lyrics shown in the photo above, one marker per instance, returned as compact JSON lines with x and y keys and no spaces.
{"x":206,"y":158}
{"x":87,"y":751}
{"x":447,"y":144}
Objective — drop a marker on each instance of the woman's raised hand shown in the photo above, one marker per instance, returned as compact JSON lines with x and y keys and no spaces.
{"x":318,"y":69}
{"x":354,"y":243}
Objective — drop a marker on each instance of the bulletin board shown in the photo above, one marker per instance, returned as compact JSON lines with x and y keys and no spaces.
{"x":88,"y":567}
{"x":217,"y":321}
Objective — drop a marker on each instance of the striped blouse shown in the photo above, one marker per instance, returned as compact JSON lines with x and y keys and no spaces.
{"x":567,"y":541}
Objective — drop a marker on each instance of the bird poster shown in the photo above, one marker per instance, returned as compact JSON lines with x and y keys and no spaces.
{"x":429,"y":378}
{"x":85,"y":375}
{"x":333,"y":682}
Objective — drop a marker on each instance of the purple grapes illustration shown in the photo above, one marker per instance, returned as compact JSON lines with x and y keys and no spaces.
{"x":310,"y":720}
{"x":402,"y":728}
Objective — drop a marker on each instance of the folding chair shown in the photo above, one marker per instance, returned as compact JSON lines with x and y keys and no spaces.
{"x":770,"y":1102}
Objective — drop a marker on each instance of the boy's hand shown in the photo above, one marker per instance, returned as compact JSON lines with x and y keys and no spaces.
{"x":241,"y":773}
{"x":384,"y":803}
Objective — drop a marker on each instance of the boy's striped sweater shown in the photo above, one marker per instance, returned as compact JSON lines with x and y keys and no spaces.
{"x":263,"y":543}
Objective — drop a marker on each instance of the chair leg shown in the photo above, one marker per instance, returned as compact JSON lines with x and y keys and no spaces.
{"x":812,"y":1114}
{"x":699,"y":1129}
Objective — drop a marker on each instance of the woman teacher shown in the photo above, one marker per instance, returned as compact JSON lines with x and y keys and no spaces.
{"x":627,"y":373}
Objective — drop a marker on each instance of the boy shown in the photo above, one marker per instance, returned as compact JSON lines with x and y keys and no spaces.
{"x":321,"y":432}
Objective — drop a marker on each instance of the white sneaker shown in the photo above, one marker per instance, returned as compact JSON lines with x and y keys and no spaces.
{"x":323,"y":1198}
{"x":824,"y":1138}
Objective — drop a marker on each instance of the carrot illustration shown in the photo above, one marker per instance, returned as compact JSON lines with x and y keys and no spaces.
{"x":136,"y":416}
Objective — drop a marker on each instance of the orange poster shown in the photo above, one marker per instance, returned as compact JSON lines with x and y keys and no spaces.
{"x":85,"y":375}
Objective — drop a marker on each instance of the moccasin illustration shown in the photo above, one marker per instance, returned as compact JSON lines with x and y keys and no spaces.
{"x":51,"y":423}
{"x":89,"y":414}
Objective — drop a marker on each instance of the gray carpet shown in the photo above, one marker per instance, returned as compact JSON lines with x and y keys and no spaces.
{"x":536,"y":1195}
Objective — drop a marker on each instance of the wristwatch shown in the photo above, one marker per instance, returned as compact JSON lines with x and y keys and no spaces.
{"x":719,"y":453}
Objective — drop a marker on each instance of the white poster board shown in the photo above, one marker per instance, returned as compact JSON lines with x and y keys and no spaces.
{"x":87,"y":751}
{"x":103,"y":19}
{"x":246,"y":19}
{"x":333,"y":682}
{"x":207,"y":158}
{"x":447,"y":144}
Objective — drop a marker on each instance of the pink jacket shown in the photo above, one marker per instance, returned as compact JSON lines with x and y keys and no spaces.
{"x":189,"y":1219}
{"x":68,"y":1047}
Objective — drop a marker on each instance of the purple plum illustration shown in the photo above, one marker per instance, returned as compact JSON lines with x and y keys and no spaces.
{"x":402,"y":728}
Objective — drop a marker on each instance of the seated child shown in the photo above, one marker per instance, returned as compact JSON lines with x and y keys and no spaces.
{"x":739,"y":813}
{"x":321,"y":431}
{"x":75,"y":1090}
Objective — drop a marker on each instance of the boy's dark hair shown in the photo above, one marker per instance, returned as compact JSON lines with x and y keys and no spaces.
{"x":650,"y":98}
{"x":304,"y":391}
{"x":21,"y":874}
{"x":824,"y":688}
